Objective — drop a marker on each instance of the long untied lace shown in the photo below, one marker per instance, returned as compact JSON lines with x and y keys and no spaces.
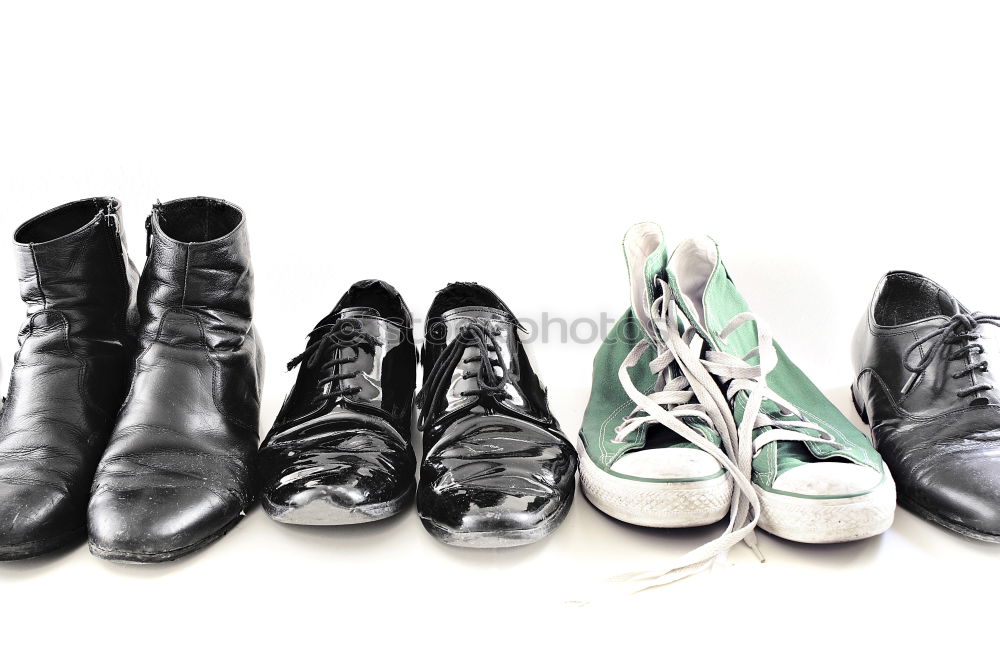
{"x":346,"y":333}
{"x":672,"y":401}
{"x":738,"y":375}
{"x":961,"y":328}
{"x":491,"y":376}
{"x":783,"y":424}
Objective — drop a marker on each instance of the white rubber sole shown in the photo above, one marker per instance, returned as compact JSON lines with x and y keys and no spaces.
{"x":829,"y":520}
{"x":655,"y":504}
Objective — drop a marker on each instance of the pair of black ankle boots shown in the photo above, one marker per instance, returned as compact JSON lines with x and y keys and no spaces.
{"x":496,"y":471}
{"x":133,"y":407}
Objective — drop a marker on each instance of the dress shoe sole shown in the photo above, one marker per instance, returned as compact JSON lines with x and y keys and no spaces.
{"x":959,"y":528}
{"x":497,"y":539}
{"x":322,"y":511}
{"x":655,"y":504}
{"x":40,"y":547}
{"x":163,"y":556}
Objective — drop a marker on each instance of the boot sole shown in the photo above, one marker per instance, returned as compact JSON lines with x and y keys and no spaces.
{"x":323,"y":512}
{"x":655,"y":504}
{"x":130,"y":557}
{"x":41,"y":547}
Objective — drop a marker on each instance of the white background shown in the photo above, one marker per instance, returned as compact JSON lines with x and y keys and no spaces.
{"x":512,"y":143}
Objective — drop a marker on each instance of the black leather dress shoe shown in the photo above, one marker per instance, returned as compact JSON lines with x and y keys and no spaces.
{"x":339,"y":451}
{"x":925,"y":384}
{"x":179,"y":469}
{"x":69,"y":375}
{"x":497,"y":470}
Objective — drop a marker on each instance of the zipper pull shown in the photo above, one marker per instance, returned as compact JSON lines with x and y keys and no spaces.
{"x":111,"y":215}
{"x":149,"y":226}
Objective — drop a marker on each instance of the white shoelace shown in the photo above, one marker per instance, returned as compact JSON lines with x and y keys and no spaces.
{"x":744,"y":376}
{"x":671,"y":400}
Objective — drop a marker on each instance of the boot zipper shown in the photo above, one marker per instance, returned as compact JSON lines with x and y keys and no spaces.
{"x":149,"y":226}
{"x":112,"y":221}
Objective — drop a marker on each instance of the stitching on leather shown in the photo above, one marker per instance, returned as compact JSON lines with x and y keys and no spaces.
{"x":38,"y":278}
{"x":187,"y":272}
{"x":908,"y":415}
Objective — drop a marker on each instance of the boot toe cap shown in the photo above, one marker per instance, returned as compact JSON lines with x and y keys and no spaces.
{"x":35,"y":518}
{"x":158,"y":523}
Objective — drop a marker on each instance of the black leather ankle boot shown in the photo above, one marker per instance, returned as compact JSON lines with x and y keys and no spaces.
{"x":178,"y":472}
{"x":69,"y":375}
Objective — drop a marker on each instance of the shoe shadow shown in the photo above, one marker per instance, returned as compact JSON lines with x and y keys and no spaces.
{"x":166,"y":568}
{"x":676,"y":542}
{"x":509,"y":556}
{"x":357,"y":537}
{"x":842,"y":399}
{"x":936,"y":539}
{"x":39,"y":565}
{"x":833,"y":557}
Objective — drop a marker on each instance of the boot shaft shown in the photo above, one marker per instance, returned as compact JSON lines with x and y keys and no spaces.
{"x":73,"y":264}
{"x":198,"y":262}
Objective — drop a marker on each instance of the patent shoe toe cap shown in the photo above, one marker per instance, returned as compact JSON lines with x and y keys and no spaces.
{"x":346,"y":478}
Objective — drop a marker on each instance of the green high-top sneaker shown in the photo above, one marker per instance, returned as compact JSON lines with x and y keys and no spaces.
{"x":818,"y":478}
{"x":657,"y":443}
{"x":695,"y":413}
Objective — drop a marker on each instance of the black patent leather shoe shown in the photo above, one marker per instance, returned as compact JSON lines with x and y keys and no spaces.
{"x":497,"y":470}
{"x":179,"y":470}
{"x":339,"y":451}
{"x":925,"y":384}
{"x":70,"y":374}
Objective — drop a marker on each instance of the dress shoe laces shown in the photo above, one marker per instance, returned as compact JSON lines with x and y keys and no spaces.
{"x":481,"y":335}
{"x":963,"y":330}
{"x":346,"y":333}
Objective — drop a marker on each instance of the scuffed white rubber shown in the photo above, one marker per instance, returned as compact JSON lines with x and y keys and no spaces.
{"x":828,"y":520}
{"x":655,"y":504}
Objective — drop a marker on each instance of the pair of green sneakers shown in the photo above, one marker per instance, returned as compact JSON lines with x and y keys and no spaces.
{"x":696,"y":414}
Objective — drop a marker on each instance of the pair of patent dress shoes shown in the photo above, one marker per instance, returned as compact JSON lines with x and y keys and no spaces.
{"x":132,"y":411}
{"x":497,"y":471}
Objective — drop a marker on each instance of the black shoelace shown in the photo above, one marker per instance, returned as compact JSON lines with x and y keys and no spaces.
{"x":342,"y":334}
{"x":481,"y":336}
{"x":962,"y":329}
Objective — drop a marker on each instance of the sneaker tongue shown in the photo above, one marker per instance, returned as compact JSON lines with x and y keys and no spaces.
{"x":659,"y":435}
{"x":646,"y":260}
